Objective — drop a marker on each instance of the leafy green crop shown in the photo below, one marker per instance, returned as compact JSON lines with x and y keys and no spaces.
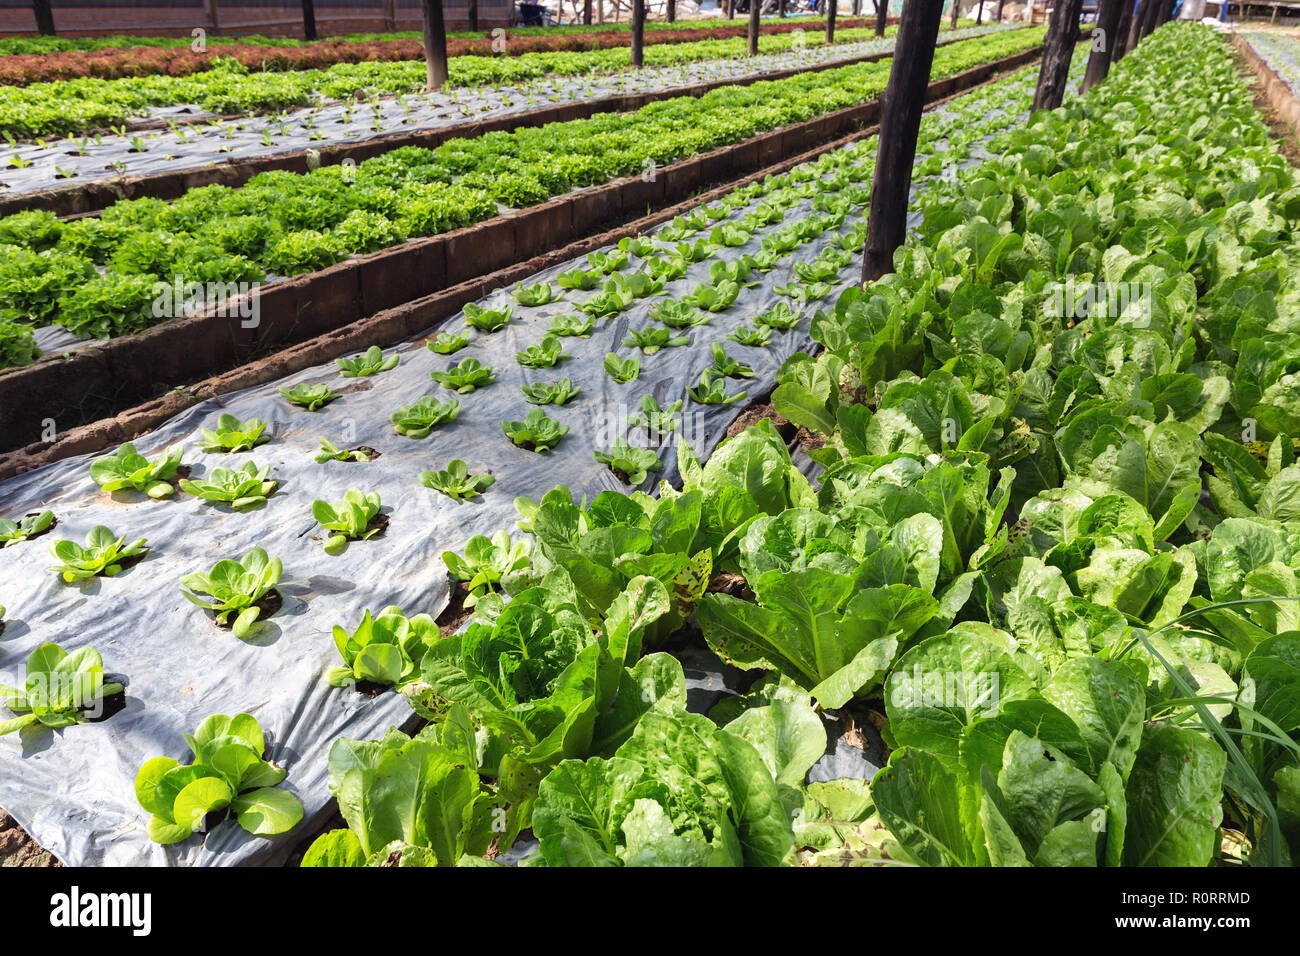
{"x":713,"y":391}
{"x":350,"y":520}
{"x":487,"y":320}
{"x":128,"y":469}
{"x":546,"y":354}
{"x":583,"y":280}
{"x":416,"y":421}
{"x":654,"y":419}
{"x":310,"y":397}
{"x":630,"y":463}
{"x":445,"y":343}
{"x":714,"y":297}
{"x":103,"y":553}
{"x":29,"y":526}
{"x":537,"y":294}
{"x":456,"y":482}
{"x":573,"y":325}
{"x":779,"y":317}
{"x":332,"y":452}
{"x":228,"y":771}
{"x":466,"y":376}
{"x":677,"y":314}
{"x":726,"y":366}
{"x":233,"y":435}
{"x":755,"y":338}
{"x":243,"y":488}
{"x":550,"y":393}
{"x":385,"y":649}
{"x":235,"y":587}
{"x":486,"y":561}
{"x":368,"y":363}
{"x":651,"y":340}
{"x":60,"y":689}
{"x":622,"y":370}
{"x":538,"y":431}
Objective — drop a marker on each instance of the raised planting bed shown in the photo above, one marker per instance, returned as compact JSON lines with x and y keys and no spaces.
{"x":119,"y":372}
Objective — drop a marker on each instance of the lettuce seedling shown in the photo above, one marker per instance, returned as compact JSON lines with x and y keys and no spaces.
{"x":228,"y":772}
{"x":818,"y":270}
{"x":755,"y":338}
{"x":655,"y":419}
{"x":129,"y":469}
{"x":713,"y":391}
{"x":456,"y":482}
{"x":640,"y":284}
{"x":242,"y":488}
{"x":737,"y":271}
{"x":537,"y":432}
{"x":310,"y":397}
{"x":486,"y":561}
{"x":610,"y":300}
{"x":233,"y":435}
{"x":444,"y":343}
{"x":622,"y":370}
{"x":640,"y":246}
{"x":332,"y":452}
{"x":368,"y":363}
{"x":61,"y":689}
{"x":16,"y":532}
{"x":726,"y":366}
{"x":350,"y":520}
{"x":385,"y":649}
{"x":651,"y":340}
{"x":607,"y":262}
{"x":103,"y":554}
{"x":678,"y":315}
{"x":803,"y":293}
{"x":487,"y":320}
{"x":629,"y":463}
{"x":416,"y":421}
{"x":546,"y":354}
{"x":780,"y":317}
{"x":696,"y":251}
{"x":666,"y":269}
{"x":538,"y":294}
{"x":234,"y":587}
{"x":465,"y":377}
{"x":574,"y":325}
{"x":550,"y":393}
{"x":581,"y":279}
{"x":715,"y":297}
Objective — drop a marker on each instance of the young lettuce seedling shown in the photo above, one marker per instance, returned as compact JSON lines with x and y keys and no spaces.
{"x":550,"y":393}
{"x":385,"y":649}
{"x":610,"y":300}
{"x":16,"y":532}
{"x":228,"y":772}
{"x":622,"y":370}
{"x":629,"y":463}
{"x":368,"y":363}
{"x":655,"y":419}
{"x":755,"y":338}
{"x":780,"y":317}
{"x":538,"y":294}
{"x":487,"y":320}
{"x":332,"y":452}
{"x":234,"y":587}
{"x":713,"y":391}
{"x":104,"y":553}
{"x":716,"y":297}
{"x":59,"y":689}
{"x":445,"y":343}
{"x":651,"y":340}
{"x":678,"y":315}
{"x":233,"y":435}
{"x":310,"y":397}
{"x":456,"y":482}
{"x":583,"y":280}
{"x":726,"y":366}
{"x":546,"y":354}
{"x":537,"y":431}
{"x":243,"y":488}
{"x":574,"y":325}
{"x":350,"y":520}
{"x":486,"y":561}
{"x":129,"y":469}
{"x":416,"y":421}
{"x":465,"y":377}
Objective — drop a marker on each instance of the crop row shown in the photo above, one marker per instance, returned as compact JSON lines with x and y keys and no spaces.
{"x":287,"y":223}
{"x":180,"y":59}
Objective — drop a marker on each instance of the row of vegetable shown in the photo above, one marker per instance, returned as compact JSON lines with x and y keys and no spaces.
{"x":285,"y":223}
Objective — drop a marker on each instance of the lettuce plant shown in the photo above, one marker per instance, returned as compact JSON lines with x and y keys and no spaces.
{"x":537,"y":294}
{"x":456,"y":482}
{"x":466,"y":376}
{"x":103,"y":553}
{"x":550,"y":393}
{"x":641,"y":284}
{"x":737,"y":270}
{"x":228,"y":772}
{"x":666,"y":269}
{"x":233,"y":435}
{"x":537,"y":432}
{"x":385,"y":649}
{"x":653,"y":418}
{"x":546,"y":354}
{"x":572,"y":325}
{"x":487,"y":320}
{"x":622,"y":370}
{"x":445,"y":343}
{"x":369,"y":362}
{"x":610,"y":300}
{"x":780,"y":317}
{"x":350,"y":520}
{"x":711,"y":391}
{"x":755,"y":338}
{"x":416,"y":421}
{"x":630,"y":463}
{"x":581,"y":279}
{"x":243,"y":488}
{"x":726,"y":366}
{"x":61,"y":689}
{"x":235,"y":587}
{"x":607,"y":262}
{"x":310,"y":397}
{"x":696,"y":251}
{"x":29,"y":526}
{"x":128,"y":469}
{"x":651,"y":340}
{"x":486,"y":561}
{"x":677,"y":314}
{"x":332,"y":452}
{"x":714,"y":297}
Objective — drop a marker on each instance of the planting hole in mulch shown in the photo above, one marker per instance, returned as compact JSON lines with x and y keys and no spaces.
{"x":268,"y":604}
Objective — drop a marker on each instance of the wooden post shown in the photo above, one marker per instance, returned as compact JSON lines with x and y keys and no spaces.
{"x":731,"y":9}
{"x":44,"y":17}
{"x":900,"y":121}
{"x":472,"y":14}
{"x":753,"y":27}
{"x":1001,"y":4}
{"x":979,"y":13}
{"x":882,"y":14}
{"x":1150,"y":10}
{"x":830,"y":19}
{"x":952,"y":23}
{"x":1058,"y":50}
{"x":1135,"y":25}
{"x":309,"y":19}
{"x":435,"y":44}
{"x":638,"y":32}
{"x":586,"y":12}
{"x":1104,"y":33}
{"x":672,"y":11}
{"x":1120,"y":46}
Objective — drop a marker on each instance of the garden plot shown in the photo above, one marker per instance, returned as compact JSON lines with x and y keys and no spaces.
{"x":73,"y":790}
{"x":85,"y":159}
{"x":1281,"y":52}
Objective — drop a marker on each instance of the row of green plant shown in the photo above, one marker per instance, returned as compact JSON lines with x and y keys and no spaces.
{"x":288,"y":223}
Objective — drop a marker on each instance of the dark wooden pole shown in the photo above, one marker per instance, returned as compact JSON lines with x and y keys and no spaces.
{"x":979,"y":13}
{"x":731,"y":9}
{"x":1135,"y":25}
{"x":830,"y":20}
{"x":435,"y":44}
{"x":1120,"y":46}
{"x":1166,"y":13}
{"x":952,"y":22}
{"x":44,"y":17}
{"x":638,"y":32}
{"x":1103,"y":43}
{"x":309,"y":19}
{"x":472,"y":14}
{"x":1058,"y":50}
{"x":753,"y":27}
{"x":672,"y":11}
{"x":900,"y":121}
{"x":586,"y":12}
{"x":1150,"y":10}
{"x":882,"y":14}
{"x":1001,"y":4}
